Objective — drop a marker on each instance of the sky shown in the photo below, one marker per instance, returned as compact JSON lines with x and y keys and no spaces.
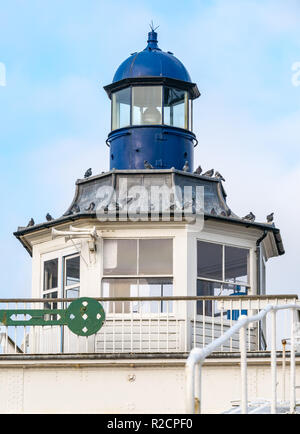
{"x":55,"y":115}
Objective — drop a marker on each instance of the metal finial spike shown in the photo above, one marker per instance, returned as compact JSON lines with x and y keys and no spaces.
{"x":153,"y":29}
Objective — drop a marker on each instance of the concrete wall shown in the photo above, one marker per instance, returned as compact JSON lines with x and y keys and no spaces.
{"x":154,"y":385}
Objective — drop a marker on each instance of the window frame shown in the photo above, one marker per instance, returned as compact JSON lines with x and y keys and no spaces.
{"x":137,"y":277}
{"x":224,"y":282}
{"x":61,"y":288}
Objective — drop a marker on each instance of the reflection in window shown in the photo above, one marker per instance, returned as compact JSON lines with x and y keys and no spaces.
{"x":123,"y":288}
{"x":236,"y":264}
{"x":147,"y":105}
{"x":221,"y":271}
{"x":155,"y":257}
{"x":120,"y":257}
{"x":135,"y":257}
{"x":50,"y":274}
{"x":209,"y":260}
{"x":175,"y":107}
{"x":73,"y":271}
{"x":72,"y":293}
{"x":121,"y":109}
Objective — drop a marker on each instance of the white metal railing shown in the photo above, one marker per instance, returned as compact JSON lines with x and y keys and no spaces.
{"x":197,"y":357}
{"x":141,"y":325}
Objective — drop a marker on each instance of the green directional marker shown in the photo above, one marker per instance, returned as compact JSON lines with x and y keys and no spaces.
{"x":84,"y":317}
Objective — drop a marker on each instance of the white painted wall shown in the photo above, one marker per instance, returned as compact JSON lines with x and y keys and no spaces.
{"x":125,"y":386}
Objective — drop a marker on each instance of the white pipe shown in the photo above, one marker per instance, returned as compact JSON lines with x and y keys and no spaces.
{"x":292,"y":367}
{"x":244,"y":385}
{"x":273,"y":364}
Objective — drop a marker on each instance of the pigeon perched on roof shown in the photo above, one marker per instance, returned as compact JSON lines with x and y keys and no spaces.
{"x":76,"y":208}
{"x":147,"y":165}
{"x":49,"y":217}
{"x":213,"y":212}
{"x":219,"y":176}
{"x":270,"y":218}
{"x":31,"y":223}
{"x":186,"y":167}
{"x":250,"y":217}
{"x":88,"y":173}
{"x":91,"y":207}
{"x":209,"y":173}
{"x":198,"y":171}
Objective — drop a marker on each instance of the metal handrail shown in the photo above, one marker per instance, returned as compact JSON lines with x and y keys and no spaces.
{"x":178,"y":298}
{"x":197,"y":357}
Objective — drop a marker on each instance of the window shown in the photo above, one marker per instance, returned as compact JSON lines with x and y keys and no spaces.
{"x":72,"y":277}
{"x":175,"y":107}
{"x":121,"y":108}
{"x":56,"y":287}
{"x":147,"y":105}
{"x":221,"y":270}
{"x":138,"y":268}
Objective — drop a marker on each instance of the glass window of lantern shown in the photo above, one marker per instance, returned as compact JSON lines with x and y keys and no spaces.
{"x":147,"y":105}
{"x":176,"y":107}
{"x":147,"y":274}
{"x":121,"y":108}
{"x":221,"y":270}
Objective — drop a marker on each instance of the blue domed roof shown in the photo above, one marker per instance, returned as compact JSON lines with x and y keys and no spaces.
{"x":152,"y":62}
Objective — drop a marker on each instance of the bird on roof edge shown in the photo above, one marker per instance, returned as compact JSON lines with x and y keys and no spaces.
{"x":88,"y":173}
{"x":209,"y":173}
{"x":250,"y":217}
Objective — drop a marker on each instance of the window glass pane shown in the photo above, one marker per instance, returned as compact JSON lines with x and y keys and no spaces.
{"x":207,"y":289}
{"x":191,"y":114}
{"x":156,"y":257}
{"x":121,"y":109}
{"x":49,"y":296}
{"x":120,"y":257}
{"x":147,"y":105}
{"x":175,"y":107}
{"x":50,"y":274}
{"x":209,"y":260}
{"x":72,"y":271}
{"x":119,"y":288}
{"x":72,"y":293}
{"x":236,"y":264}
{"x":155,"y":288}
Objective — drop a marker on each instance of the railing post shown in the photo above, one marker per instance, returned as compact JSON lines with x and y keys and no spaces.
{"x":293,"y":364}
{"x":273,"y":364}
{"x":243,"y":351}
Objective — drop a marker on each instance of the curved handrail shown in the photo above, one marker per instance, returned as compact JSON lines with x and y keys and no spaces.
{"x":197,"y":355}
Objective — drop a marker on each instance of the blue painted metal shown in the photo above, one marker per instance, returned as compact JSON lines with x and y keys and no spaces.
{"x":152,"y":62}
{"x":163,"y":147}
{"x":235,"y":314}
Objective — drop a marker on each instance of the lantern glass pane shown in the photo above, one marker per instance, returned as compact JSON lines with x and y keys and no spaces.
{"x":147,"y":105}
{"x":121,"y":109}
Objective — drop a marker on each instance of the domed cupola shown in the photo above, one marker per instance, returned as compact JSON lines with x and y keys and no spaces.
{"x":152,"y":111}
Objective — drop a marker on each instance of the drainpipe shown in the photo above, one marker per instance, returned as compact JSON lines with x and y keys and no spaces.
{"x":258,"y":275}
{"x":258,"y":271}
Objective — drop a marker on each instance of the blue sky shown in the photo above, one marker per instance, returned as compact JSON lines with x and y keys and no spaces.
{"x":55,"y":115}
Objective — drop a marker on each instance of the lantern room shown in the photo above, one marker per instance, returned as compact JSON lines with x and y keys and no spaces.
{"x":152,"y":111}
